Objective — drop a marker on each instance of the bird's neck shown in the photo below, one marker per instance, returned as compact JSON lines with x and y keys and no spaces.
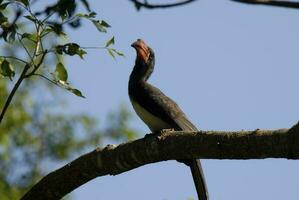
{"x":141,"y":72}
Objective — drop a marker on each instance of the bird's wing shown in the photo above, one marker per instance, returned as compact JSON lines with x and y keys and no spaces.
{"x":157,"y":103}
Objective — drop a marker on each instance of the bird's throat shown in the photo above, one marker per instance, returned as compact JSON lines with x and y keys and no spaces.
{"x":141,"y":72}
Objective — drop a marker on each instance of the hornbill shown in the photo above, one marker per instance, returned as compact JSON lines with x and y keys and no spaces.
{"x":158,"y":111}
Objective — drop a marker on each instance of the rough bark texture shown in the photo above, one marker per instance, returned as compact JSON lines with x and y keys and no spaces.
{"x":112,"y":160}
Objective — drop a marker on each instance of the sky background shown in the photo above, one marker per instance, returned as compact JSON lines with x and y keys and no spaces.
{"x":229,"y":66}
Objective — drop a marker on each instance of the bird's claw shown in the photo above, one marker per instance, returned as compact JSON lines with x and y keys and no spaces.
{"x":167,"y":130}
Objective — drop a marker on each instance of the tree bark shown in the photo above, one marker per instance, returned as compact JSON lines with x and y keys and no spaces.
{"x":113,"y":160}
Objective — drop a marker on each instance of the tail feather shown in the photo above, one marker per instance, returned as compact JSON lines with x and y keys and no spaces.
{"x":199,"y":180}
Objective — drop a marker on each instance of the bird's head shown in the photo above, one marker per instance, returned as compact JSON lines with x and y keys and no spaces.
{"x":144,"y":53}
{"x":145,"y":62}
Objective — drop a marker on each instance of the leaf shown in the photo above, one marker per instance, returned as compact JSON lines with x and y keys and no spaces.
{"x":110,"y":51}
{"x":3,"y":6}
{"x":76,"y":92}
{"x":57,"y":28}
{"x":29,"y":17}
{"x":3,"y":19}
{"x":118,"y":53}
{"x":7,"y":69}
{"x":110,"y":42}
{"x":86,"y":4}
{"x":81,"y":53}
{"x":61,"y":72}
{"x":71,"y":49}
{"x":105,"y":24}
{"x":29,"y":36}
{"x":87,"y":16}
{"x":59,"y":49}
{"x":101,"y":25}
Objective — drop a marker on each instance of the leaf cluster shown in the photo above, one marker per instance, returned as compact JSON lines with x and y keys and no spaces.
{"x":46,"y":25}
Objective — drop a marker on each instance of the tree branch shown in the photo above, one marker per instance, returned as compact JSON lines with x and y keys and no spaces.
{"x":147,"y":5}
{"x":12,"y":93}
{"x":285,"y":4}
{"x":113,"y":160}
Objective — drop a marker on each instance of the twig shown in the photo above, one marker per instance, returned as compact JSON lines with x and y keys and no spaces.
{"x":12,"y":93}
{"x":285,"y":4}
{"x":46,"y":79}
{"x":14,"y":58}
{"x":38,"y":65}
{"x":145,"y":4}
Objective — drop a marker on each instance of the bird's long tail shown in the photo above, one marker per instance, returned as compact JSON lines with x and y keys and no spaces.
{"x":198,"y":178}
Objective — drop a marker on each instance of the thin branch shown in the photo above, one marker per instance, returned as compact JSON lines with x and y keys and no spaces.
{"x":14,"y":58}
{"x":25,"y":48}
{"x":38,"y":65}
{"x":93,"y":47}
{"x":147,"y":5}
{"x":284,"y":4}
{"x":12,"y":93}
{"x":46,"y":78}
{"x":113,"y":160}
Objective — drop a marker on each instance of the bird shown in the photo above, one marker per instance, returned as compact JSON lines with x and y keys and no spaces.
{"x":158,"y":111}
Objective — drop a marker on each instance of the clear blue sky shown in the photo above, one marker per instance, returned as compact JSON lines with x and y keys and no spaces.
{"x":240,"y":65}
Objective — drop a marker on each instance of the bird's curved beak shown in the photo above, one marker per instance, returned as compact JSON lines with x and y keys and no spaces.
{"x":141,"y":49}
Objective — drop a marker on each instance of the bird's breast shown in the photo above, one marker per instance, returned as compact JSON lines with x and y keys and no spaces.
{"x":154,"y":123}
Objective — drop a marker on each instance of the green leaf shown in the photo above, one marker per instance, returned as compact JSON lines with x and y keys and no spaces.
{"x":59,"y":49}
{"x":76,"y":92}
{"x":86,"y":4}
{"x":29,"y":36}
{"x":105,"y":24}
{"x":118,"y":53}
{"x":81,"y":53}
{"x":3,"y":19}
{"x":29,"y":17}
{"x":111,"y":52}
{"x":87,"y":16}
{"x":7,"y":69}
{"x":110,"y":42}
{"x":101,"y":25}
{"x":3,"y":6}
{"x":71,"y":49}
{"x":61,"y":72}
{"x":57,"y":28}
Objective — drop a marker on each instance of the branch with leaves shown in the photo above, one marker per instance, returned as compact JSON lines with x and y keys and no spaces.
{"x":113,"y":160}
{"x":44,"y":26}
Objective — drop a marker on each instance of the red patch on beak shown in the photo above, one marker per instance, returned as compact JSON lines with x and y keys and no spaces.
{"x":142,"y":50}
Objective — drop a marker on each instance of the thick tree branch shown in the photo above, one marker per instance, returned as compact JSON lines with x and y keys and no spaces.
{"x":112,"y":160}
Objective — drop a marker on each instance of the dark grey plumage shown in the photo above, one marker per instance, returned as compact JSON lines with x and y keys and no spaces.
{"x":159,"y":111}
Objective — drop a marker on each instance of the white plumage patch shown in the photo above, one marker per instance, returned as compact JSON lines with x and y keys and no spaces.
{"x":154,"y":123}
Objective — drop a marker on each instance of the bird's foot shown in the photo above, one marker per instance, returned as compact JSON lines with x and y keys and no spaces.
{"x":167,"y":130}
{"x":158,"y":133}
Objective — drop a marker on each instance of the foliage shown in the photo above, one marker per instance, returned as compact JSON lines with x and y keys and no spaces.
{"x":49,"y":22}
{"x":36,"y":134}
